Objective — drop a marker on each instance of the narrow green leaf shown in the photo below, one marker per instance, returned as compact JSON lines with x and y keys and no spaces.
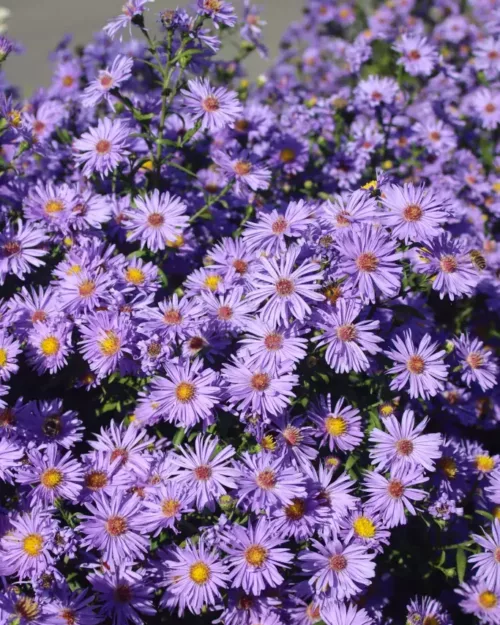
{"x":461,"y":564}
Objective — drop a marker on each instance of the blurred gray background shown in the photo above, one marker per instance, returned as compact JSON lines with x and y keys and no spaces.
{"x":40,"y":24}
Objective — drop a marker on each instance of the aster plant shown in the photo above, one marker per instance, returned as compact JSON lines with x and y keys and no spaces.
{"x":249,"y":330}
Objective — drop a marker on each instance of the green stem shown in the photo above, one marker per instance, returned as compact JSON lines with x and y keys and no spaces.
{"x":212,"y":201}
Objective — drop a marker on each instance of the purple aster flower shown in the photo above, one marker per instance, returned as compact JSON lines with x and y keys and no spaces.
{"x":72,"y":607}
{"x":128,"y":444}
{"x":52,"y":204}
{"x":289,"y":153}
{"x":476,"y":362}
{"x":286,"y":290}
{"x":493,"y":488}
{"x":220,"y":11}
{"x":230,"y":310}
{"x":376,"y":90}
{"x":340,"y":426}
{"x":9,"y":350}
{"x":346,"y":341}
{"x":414,"y":213}
{"x":445,"y":508}
{"x":481,"y":601}
{"x":271,"y":233}
{"x":335,"y":613}
{"x":20,"y":249}
{"x":295,"y":440}
{"x":26,"y":548}
{"x":448,"y":261}
{"x":103,"y":148}
{"x":357,"y":208}
{"x":113,"y":527}
{"x":53,"y":476}
{"x":204,"y":472}
{"x":101,"y":473}
{"x":124,"y":594}
{"x":486,"y":104}
{"x":105,"y":341}
{"x":194,"y":577}
{"x":130,"y":10}
{"x":336,"y":570}
{"x":254,"y":555}
{"x":15,"y":606}
{"x":265,"y":482}
{"x":158,"y":219}
{"x":253,"y":388}
{"x":6,"y":47}
{"x":364,"y":526}
{"x":391,"y":497}
{"x":84,"y":290}
{"x":268,"y":346}
{"x":420,"y":367}
{"x":33,"y":306}
{"x":426,"y":609}
{"x":404,"y":444}
{"x":245,"y":171}
{"x":10,"y":454}
{"x":107,"y":79}
{"x":487,"y":563}
{"x":66,"y":78}
{"x":166,"y":507}
{"x":173,"y":318}
{"x":418,"y":57}
{"x":369,"y":258}
{"x":215,"y":107}
{"x":187,"y":395}
{"x":49,"y":345}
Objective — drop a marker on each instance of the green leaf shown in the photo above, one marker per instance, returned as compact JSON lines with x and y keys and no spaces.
{"x":461,"y":564}
{"x":179,"y":436}
{"x":351,"y":461}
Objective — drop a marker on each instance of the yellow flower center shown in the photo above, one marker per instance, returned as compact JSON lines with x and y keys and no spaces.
{"x":212,"y":282}
{"x":199,"y":573}
{"x":488,"y":599}
{"x":54,"y":206}
{"x":49,"y":346}
{"x":256,"y":555}
{"x":287,"y":155}
{"x":364,"y":527}
{"x":33,"y":544}
{"x":3,"y":357}
{"x":51,"y":478}
{"x":370,"y":185}
{"x":73,"y":270}
{"x":496,"y":512}
{"x":185,"y":391}
{"x":177,"y":242}
{"x":170,"y":507}
{"x":485,"y":463}
{"x":335,"y":426}
{"x":448,"y":466}
{"x":268,"y":442}
{"x":135,"y":275}
{"x":110,"y":345}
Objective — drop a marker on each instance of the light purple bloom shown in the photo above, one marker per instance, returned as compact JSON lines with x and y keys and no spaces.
{"x":414,"y":213}
{"x":158,"y":219}
{"x":206,"y":473}
{"x":286,"y":291}
{"x":113,"y":527}
{"x":255,"y":553}
{"x":487,"y":563}
{"x":477,"y":363}
{"x":347,"y":341}
{"x":339,"y":425}
{"x":404,"y":444}
{"x":420,"y":367}
{"x":194,"y":577}
{"x":391,"y":497}
{"x":336,"y":570}
{"x":215,"y":107}
{"x":107,"y":79}
{"x":103,"y":148}
{"x":369,"y":258}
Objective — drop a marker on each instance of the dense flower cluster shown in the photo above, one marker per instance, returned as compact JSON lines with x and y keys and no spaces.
{"x":248,"y":333}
